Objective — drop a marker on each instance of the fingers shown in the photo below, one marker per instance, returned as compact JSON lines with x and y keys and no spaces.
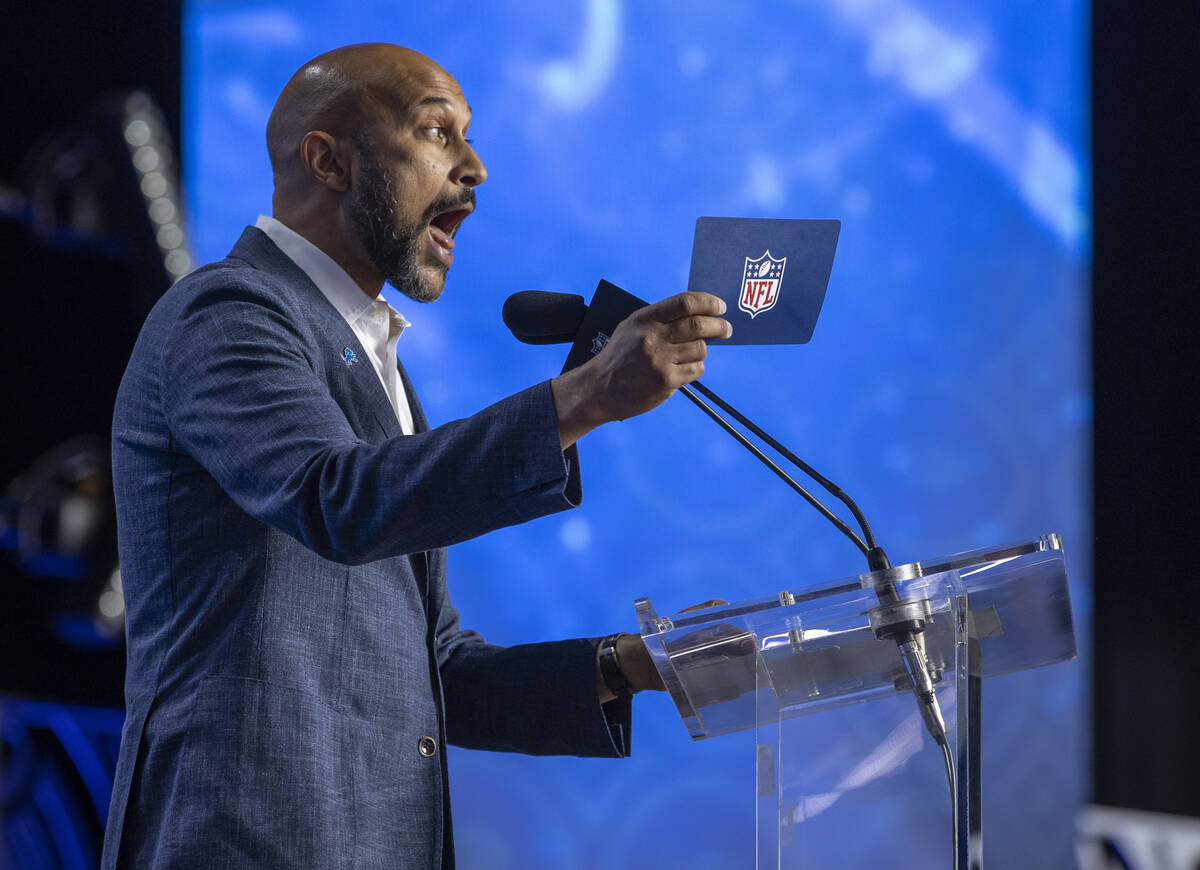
{"x":688,"y":318}
{"x":694,"y":327}
{"x":688,"y":304}
{"x":688,"y":352}
{"x":685,"y":373}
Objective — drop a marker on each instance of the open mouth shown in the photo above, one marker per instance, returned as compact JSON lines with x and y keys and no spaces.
{"x":442,"y":228}
{"x":448,"y":221}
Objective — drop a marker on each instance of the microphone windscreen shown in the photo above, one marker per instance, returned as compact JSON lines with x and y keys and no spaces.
{"x":541,"y":317}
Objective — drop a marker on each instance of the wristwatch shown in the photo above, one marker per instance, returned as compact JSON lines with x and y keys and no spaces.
{"x":610,"y":667}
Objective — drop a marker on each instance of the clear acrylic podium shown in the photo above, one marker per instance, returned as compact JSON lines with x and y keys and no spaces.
{"x":826,"y":783}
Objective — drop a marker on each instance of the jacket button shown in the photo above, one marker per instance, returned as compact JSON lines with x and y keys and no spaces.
{"x":427,"y":746}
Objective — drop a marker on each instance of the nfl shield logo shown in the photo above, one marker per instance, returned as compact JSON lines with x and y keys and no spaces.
{"x":761,"y":282}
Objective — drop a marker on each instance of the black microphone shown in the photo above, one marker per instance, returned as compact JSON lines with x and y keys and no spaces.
{"x":541,"y":317}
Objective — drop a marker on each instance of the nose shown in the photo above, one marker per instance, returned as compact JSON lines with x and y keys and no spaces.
{"x":470,"y":170}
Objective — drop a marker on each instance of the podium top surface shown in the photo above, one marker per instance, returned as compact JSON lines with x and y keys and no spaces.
{"x":814,"y":647}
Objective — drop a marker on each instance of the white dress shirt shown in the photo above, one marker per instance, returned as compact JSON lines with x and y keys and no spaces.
{"x":376,"y":324}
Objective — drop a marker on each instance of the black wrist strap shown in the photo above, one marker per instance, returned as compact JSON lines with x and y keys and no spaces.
{"x":610,"y":667}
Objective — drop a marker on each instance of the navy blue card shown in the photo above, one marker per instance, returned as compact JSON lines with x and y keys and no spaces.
{"x":610,"y":305}
{"x":772,"y":274}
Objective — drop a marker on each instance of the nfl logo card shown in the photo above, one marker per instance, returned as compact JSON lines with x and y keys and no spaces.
{"x":772,"y":274}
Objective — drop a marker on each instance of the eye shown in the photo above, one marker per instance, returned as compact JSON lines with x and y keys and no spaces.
{"x":444,"y":133}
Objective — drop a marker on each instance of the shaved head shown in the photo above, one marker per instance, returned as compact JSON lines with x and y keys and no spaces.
{"x":371,"y":164}
{"x":342,"y":91}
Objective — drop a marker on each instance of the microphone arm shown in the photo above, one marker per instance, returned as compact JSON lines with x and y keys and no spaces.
{"x":896,"y":619}
{"x":829,"y":485}
{"x":779,"y":472}
{"x":900,"y":621}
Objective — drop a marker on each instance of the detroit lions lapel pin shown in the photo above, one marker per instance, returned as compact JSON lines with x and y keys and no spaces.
{"x":349,"y":356}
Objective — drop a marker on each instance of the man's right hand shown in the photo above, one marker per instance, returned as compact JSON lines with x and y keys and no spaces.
{"x":651,"y":354}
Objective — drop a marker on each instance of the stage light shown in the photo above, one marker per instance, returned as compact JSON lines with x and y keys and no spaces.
{"x":137,"y":133}
{"x":154,"y":186}
{"x":81,"y":185}
{"x":169,"y":237}
{"x":110,"y":607}
{"x":179,"y":263}
{"x":162,"y":210}
{"x":151,"y":152}
{"x":146,"y":159}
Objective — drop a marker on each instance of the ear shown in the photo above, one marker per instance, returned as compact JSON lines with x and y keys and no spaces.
{"x":325,"y":160}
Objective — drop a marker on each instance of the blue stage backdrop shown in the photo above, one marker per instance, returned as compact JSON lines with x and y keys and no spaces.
{"x":946,"y":387}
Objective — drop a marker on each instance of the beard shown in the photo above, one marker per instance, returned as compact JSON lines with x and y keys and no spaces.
{"x":393,"y":247}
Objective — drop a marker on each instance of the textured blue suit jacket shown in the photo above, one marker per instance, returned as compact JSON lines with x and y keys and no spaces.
{"x":293,"y":653}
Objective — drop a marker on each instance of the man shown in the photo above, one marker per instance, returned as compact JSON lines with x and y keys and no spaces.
{"x":295,"y":666}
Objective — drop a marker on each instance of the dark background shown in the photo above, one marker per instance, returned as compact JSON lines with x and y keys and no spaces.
{"x":1146,"y":111}
{"x":62,"y":328}
{"x":72,"y":305}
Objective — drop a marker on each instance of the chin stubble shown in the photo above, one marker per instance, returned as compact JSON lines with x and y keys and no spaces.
{"x":393,"y":249}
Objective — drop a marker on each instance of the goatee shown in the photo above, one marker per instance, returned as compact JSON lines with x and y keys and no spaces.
{"x":394,"y":248}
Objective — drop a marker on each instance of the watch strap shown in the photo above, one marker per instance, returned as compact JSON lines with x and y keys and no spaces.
{"x":610,"y":667}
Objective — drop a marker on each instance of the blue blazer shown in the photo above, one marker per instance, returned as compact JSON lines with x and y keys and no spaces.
{"x":295,"y":666}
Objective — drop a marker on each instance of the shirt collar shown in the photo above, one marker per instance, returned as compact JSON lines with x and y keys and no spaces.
{"x":330,"y":278}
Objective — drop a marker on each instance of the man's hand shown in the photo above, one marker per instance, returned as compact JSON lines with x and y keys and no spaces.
{"x":652,"y":353}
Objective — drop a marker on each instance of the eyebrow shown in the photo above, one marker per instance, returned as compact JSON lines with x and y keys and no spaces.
{"x":440,"y":101}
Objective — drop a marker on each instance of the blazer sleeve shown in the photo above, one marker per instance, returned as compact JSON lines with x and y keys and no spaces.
{"x":243,"y":396}
{"x":537,"y":698}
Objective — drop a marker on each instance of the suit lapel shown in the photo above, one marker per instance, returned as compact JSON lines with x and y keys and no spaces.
{"x":339,"y":345}
{"x":349,"y":353}
{"x":420,"y":423}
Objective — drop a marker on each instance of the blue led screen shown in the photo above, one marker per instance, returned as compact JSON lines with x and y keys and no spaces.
{"x":946,"y":386}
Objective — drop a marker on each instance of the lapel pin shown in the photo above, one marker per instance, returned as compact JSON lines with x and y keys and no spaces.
{"x":349,"y":357}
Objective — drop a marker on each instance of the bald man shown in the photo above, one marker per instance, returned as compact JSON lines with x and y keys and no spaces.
{"x":295,"y":665}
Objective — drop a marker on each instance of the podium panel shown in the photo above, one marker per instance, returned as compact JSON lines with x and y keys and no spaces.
{"x":769,"y":663}
{"x":833,"y":790}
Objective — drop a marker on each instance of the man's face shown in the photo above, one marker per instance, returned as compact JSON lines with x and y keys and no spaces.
{"x":414,"y":180}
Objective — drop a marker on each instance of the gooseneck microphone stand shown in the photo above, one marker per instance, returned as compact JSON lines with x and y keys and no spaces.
{"x":900,"y":620}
